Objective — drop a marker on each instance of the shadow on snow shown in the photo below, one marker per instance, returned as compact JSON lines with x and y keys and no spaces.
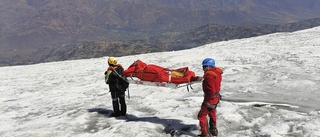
{"x":173,"y":127}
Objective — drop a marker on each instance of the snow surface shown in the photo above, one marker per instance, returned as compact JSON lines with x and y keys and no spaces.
{"x":270,"y":88}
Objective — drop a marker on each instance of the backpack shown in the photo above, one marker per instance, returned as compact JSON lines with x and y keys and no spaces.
{"x":122,"y":81}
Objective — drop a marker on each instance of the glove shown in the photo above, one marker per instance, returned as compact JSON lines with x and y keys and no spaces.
{"x":105,"y":73}
{"x":196,"y":78}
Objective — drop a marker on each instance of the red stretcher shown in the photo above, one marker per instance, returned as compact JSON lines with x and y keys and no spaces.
{"x":149,"y":74}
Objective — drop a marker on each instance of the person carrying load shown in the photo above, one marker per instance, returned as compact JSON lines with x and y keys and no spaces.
{"x":113,"y":77}
{"x":211,"y":87}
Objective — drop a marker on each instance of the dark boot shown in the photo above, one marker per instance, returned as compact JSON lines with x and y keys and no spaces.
{"x":212,"y":123}
{"x":213,"y":131}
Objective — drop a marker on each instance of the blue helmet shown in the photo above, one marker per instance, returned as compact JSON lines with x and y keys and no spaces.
{"x":208,"y":62}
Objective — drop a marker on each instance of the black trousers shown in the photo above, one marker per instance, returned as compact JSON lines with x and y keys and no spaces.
{"x":119,"y":102}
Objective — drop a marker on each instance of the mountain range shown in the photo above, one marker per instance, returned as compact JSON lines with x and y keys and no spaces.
{"x":33,"y":31}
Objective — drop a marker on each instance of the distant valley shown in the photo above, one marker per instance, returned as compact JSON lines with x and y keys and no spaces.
{"x":193,"y":38}
{"x":34,"y":31}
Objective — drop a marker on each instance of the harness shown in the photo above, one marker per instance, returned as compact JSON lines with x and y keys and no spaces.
{"x":214,"y":106}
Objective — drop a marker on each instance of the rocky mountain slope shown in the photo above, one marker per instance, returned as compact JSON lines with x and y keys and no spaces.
{"x":33,"y":31}
{"x":29,"y":24}
{"x":196,"y":37}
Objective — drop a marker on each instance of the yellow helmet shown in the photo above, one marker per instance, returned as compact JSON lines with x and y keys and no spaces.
{"x":112,"y":61}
